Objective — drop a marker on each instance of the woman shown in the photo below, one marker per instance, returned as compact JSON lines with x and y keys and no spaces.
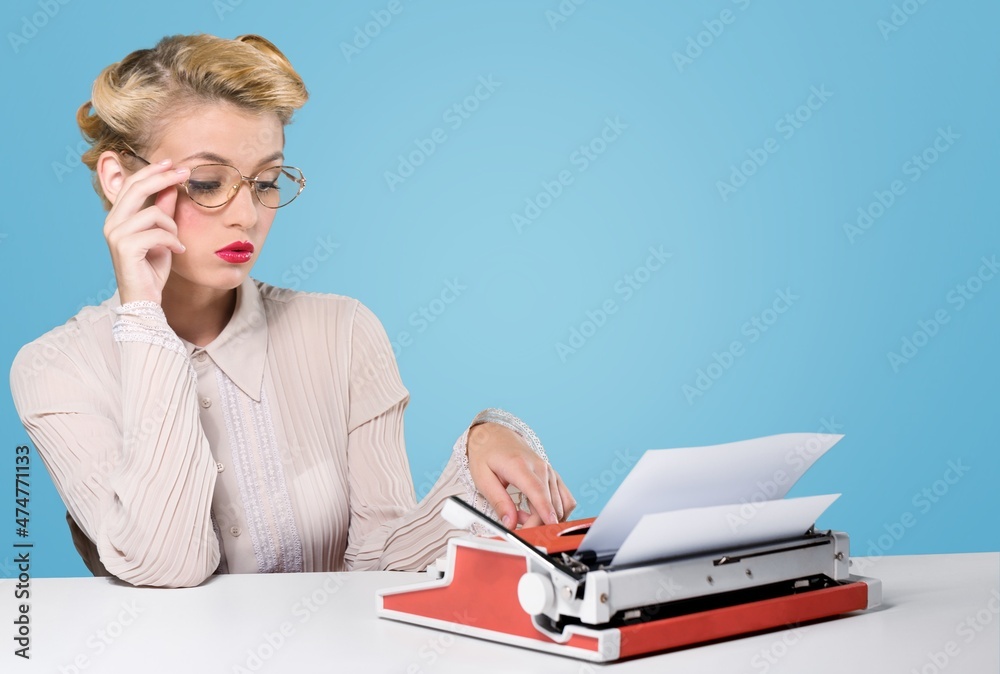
{"x":200,"y":421}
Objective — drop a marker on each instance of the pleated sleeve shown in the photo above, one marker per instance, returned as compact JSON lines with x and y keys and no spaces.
{"x":132,"y":465}
{"x":388,"y":529}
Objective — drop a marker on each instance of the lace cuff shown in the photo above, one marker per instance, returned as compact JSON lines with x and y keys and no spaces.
{"x":508,"y":420}
{"x":461,"y":456}
{"x":143,"y":308}
{"x":144,"y":321}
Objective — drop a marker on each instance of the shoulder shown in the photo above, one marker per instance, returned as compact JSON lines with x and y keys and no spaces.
{"x":306,"y":307}
{"x":78,"y":349}
{"x":276,"y":298}
{"x":80,"y":334}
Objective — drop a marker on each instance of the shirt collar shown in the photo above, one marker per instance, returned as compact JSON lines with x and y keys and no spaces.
{"x":240,"y":350}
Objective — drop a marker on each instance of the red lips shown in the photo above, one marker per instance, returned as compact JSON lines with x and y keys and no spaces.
{"x":238,"y":252}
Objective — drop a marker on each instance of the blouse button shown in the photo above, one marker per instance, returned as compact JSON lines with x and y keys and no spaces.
{"x":219,"y":467}
{"x":235,"y":531}
{"x":206,"y":402}
{"x":201,"y":357}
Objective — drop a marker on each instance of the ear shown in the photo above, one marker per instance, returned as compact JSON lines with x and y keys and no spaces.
{"x":111,"y":173}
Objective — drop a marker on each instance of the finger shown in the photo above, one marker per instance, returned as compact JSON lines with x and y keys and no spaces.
{"x":141,"y":243}
{"x":531,"y":520}
{"x":489,"y":485}
{"x":555,"y":495}
{"x":163,"y":168}
{"x":524,"y":517}
{"x":568,"y":502}
{"x":123,"y":243}
{"x":141,"y":191}
{"x":166,"y":201}
{"x":152,"y":217}
{"x":536,"y":488}
{"x":138,"y":189}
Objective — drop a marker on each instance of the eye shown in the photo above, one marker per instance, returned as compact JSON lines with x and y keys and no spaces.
{"x":267,"y":185}
{"x":204,"y":186}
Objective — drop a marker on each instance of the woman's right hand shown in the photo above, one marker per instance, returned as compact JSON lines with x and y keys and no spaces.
{"x":142,"y":239}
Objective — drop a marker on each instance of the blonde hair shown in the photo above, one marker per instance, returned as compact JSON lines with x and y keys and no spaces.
{"x":131,"y":100}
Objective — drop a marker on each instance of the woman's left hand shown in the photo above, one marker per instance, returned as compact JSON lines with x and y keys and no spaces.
{"x":499,"y":457}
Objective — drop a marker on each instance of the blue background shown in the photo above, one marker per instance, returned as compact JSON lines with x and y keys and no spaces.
{"x":683,"y":126}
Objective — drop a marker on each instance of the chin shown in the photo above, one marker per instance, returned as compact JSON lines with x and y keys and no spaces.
{"x":222,"y":279}
{"x":231,"y":280}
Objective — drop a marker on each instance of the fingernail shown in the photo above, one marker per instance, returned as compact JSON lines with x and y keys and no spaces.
{"x":181,"y":170}
{"x":506,"y":521}
{"x":183,"y":248}
{"x":165,"y":162}
{"x":552,"y":516}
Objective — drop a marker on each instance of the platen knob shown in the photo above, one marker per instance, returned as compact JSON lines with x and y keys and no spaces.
{"x":535,"y":593}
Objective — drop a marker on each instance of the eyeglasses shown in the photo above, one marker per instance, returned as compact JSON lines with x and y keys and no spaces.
{"x":215,"y":185}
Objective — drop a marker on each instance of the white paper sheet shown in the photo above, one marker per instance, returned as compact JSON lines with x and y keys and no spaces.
{"x":725,"y":527}
{"x":693,"y":477}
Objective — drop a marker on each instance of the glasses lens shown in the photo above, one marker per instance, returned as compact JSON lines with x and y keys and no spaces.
{"x":279,"y":185}
{"x":212,"y":185}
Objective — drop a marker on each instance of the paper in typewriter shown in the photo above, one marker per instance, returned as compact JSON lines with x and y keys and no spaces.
{"x":741,"y":474}
{"x":719,"y":528}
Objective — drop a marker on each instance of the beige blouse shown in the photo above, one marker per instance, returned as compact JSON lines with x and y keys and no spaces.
{"x":278,"y":447}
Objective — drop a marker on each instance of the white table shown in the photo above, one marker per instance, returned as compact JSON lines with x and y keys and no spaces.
{"x":939,"y":615}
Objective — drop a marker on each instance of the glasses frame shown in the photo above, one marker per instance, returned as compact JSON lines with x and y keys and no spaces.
{"x":252,"y":182}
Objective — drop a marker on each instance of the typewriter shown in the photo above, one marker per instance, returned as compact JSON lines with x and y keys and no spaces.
{"x":537,"y":589}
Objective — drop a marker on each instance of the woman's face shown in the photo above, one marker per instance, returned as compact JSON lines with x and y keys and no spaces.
{"x":220,"y":134}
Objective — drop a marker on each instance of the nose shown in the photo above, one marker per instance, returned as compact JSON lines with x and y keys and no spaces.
{"x":242,"y":210}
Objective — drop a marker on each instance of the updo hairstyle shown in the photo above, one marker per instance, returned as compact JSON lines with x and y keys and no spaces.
{"x":133,"y":99}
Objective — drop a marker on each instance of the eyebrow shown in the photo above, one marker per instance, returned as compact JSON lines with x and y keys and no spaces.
{"x":212,"y":157}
